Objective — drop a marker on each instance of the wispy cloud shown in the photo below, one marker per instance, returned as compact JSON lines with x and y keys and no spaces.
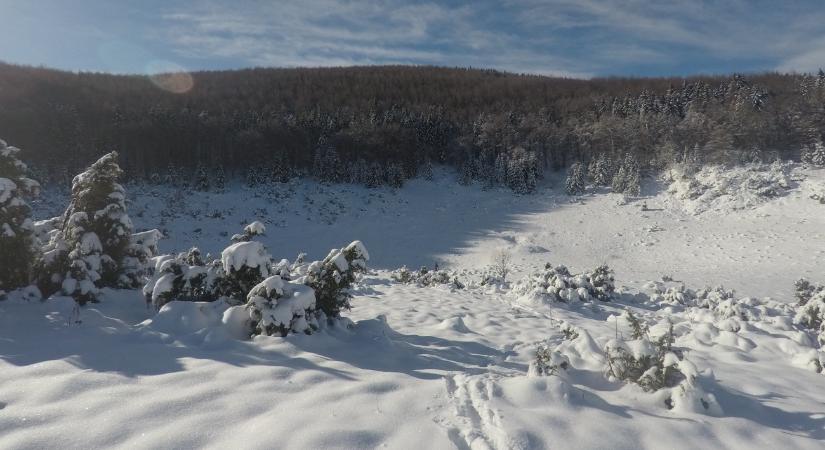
{"x":562,"y":37}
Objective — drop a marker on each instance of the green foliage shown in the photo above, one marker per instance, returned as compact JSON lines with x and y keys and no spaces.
{"x":18,"y":252}
{"x":650,"y":364}
{"x":332,"y":278}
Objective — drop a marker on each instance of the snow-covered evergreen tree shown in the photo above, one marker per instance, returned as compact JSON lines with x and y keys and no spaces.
{"x":395,"y":176}
{"x":633,"y":183}
{"x":332,"y":278}
{"x":18,"y":252}
{"x":185,"y":277}
{"x":465,"y":176}
{"x":575,"y":179}
{"x":427,"y":170}
{"x":201,"y":179}
{"x":602,"y":174}
{"x":814,"y":154}
{"x":89,"y":250}
{"x":220,"y":179}
{"x":277,"y":307}
{"x":246,"y":263}
{"x":619,"y":183}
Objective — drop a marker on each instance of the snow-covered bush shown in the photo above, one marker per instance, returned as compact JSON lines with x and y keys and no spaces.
{"x":94,"y":239}
{"x":650,"y":364}
{"x":332,"y":278}
{"x":18,"y":249}
{"x":277,"y":307}
{"x":185,"y":277}
{"x":428,"y":278}
{"x":246,"y":263}
{"x":558,"y":284}
{"x":548,"y":362}
{"x":136,"y":266}
{"x":255,"y":228}
{"x":402,"y":275}
{"x":805,"y":290}
{"x":811,"y":315}
{"x":676,"y":295}
{"x":709,"y":297}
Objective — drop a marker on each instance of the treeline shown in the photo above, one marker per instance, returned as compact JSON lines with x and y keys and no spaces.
{"x":382,"y":125}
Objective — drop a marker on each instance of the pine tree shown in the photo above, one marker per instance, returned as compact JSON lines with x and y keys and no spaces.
{"x":633,"y":182}
{"x":220,"y":179}
{"x":88,"y":251}
{"x":332,"y":278}
{"x":575,"y":179}
{"x":394,"y":176}
{"x":18,"y":252}
{"x":465,"y":177}
{"x":603,"y":171}
{"x":201,"y":179}
{"x":619,"y":183}
{"x":427,"y":170}
{"x":817,"y":154}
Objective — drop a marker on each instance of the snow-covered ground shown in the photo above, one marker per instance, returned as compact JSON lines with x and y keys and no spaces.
{"x":437,"y":367}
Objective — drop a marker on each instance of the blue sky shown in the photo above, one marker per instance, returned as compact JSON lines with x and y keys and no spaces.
{"x":580,"y":38}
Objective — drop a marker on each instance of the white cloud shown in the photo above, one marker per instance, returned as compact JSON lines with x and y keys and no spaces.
{"x":559,"y":37}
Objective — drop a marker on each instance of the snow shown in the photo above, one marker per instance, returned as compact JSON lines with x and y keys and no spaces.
{"x":431,"y":365}
{"x":7,"y":188}
{"x":250,"y":254}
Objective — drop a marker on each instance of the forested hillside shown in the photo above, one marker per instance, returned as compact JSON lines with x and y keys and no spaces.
{"x":382,"y":125}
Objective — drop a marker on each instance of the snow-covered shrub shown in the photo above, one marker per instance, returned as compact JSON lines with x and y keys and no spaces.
{"x":332,"y":278}
{"x":185,"y":277}
{"x":676,"y":295}
{"x":558,"y":284}
{"x":142,"y":248}
{"x":805,"y":290}
{"x":711,"y":297}
{"x":89,"y":249}
{"x":402,"y":275}
{"x":277,"y":307}
{"x":18,"y":249}
{"x":812,"y":315}
{"x":428,"y":278}
{"x":246,"y":263}
{"x":548,"y":362}
{"x":501,"y":264}
{"x":640,"y":362}
{"x":255,"y":228}
{"x":651,"y":364}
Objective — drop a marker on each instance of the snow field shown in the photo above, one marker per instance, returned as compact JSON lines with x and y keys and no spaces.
{"x":435,"y":366}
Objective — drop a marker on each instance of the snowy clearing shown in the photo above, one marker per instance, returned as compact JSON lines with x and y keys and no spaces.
{"x":436,"y":366}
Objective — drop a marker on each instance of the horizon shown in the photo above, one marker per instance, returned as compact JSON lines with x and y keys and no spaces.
{"x":417,"y":66}
{"x":559,"y":38}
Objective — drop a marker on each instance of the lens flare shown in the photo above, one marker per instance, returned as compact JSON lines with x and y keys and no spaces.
{"x":170,"y":77}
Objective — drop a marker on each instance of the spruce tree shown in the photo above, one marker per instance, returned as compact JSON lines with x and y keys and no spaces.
{"x":220,"y":179}
{"x":619,"y":183}
{"x":18,"y":252}
{"x":817,"y":154}
{"x":394,"y":176}
{"x":88,"y":251}
{"x":603,"y":171}
{"x":575,"y":179}
{"x":427,"y":170}
{"x":201,"y":179}
{"x":633,"y":183}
